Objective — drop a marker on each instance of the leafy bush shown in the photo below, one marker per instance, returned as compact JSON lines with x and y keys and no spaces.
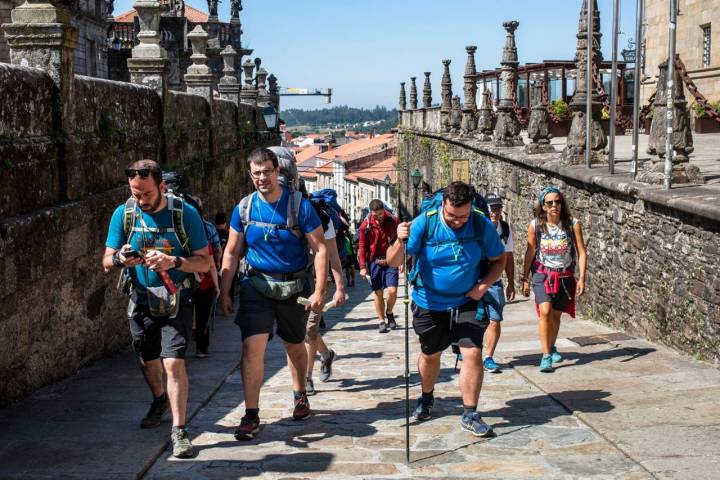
{"x":700,"y":111}
{"x":605,"y":113}
{"x":561,"y":109}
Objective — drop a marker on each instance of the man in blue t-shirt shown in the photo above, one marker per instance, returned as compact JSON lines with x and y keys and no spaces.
{"x":459,"y":256}
{"x":273,"y":228}
{"x":143,"y":238}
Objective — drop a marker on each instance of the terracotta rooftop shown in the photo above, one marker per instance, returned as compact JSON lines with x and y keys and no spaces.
{"x":326,"y":168}
{"x":192,"y":14}
{"x":376,"y":172}
{"x":357,"y":146}
{"x":307,"y":153}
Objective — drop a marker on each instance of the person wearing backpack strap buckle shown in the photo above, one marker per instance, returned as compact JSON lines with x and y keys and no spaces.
{"x":457,"y":260}
{"x":273,"y":228}
{"x":555,"y":245}
{"x":159,"y":242}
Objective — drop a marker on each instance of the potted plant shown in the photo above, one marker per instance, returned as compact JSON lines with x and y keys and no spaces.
{"x":704,"y":123}
{"x":562,"y":114}
{"x":605,"y":122}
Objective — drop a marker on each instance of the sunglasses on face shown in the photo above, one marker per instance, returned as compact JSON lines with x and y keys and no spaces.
{"x":496,"y":208}
{"x":141,"y":172}
{"x":550,"y":203}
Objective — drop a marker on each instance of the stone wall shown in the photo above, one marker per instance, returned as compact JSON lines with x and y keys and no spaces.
{"x":58,"y":188}
{"x":5,"y":8}
{"x":653,"y":256}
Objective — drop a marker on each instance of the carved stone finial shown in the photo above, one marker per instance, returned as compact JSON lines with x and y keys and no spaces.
{"x":574,"y":153}
{"x":682,"y":139}
{"x":212,"y":10}
{"x":274,"y":92}
{"x":427,"y":91}
{"x":248,"y":94}
{"x":199,"y":77}
{"x":229,"y":87}
{"x":456,"y":115}
{"x":539,"y":124}
{"x":263,"y":94}
{"x":507,"y":127}
{"x":401,"y":102}
{"x":446,"y":96}
{"x":469,"y":123}
{"x":485,"y":118}
{"x":413,"y":94}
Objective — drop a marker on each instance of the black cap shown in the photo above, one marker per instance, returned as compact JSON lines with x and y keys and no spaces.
{"x":493,"y":199}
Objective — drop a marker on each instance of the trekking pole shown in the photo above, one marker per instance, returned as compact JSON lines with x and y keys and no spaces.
{"x":406,"y":301}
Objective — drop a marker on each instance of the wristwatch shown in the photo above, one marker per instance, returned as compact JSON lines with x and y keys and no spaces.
{"x":116,"y":260}
{"x":177,"y":262}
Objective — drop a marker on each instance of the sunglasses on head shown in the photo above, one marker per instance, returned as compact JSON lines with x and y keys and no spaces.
{"x":141,"y":172}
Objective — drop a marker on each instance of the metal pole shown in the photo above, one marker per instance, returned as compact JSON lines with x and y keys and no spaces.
{"x":406,"y":301}
{"x":589,"y":82}
{"x":636,"y":85}
{"x":614,"y":85}
{"x":670,"y":97}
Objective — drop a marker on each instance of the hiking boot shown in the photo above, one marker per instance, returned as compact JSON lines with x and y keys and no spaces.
{"x":182,"y":448}
{"x":383,"y":328}
{"x":309,"y":386}
{"x":326,"y":366}
{"x":248,"y":428}
{"x":546,"y":364}
{"x":422,"y":410}
{"x":556,"y":357}
{"x":491,"y":366}
{"x":157,"y":409}
{"x":392,"y":324}
{"x":302,"y":407}
{"x":473,"y":423}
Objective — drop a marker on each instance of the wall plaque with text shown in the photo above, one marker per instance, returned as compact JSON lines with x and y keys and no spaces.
{"x":461,"y":170}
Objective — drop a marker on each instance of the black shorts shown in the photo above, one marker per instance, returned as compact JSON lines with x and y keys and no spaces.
{"x":156,"y":337}
{"x":438,"y":329}
{"x":258,"y":314}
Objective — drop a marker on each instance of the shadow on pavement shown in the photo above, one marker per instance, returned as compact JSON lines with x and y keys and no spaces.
{"x":583,"y":358}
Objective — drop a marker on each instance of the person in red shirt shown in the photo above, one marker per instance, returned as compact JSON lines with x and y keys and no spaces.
{"x":377,"y":232}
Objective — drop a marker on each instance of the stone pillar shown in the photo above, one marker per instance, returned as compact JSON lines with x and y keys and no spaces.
{"x":413,"y":94}
{"x":446,"y":96}
{"x":539,"y":124}
{"x":574,"y":153}
{"x":149,"y":65}
{"x":248,"y":94}
{"x":229,"y":87}
{"x":682,"y":140}
{"x":485,"y":118}
{"x":469,"y":122}
{"x":40,"y":36}
{"x":274,"y":92}
{"x":199,"y":77}
{"x":401,"y":102}
{"x":456,"y":115}
{"x":427,"y":91}
{"x":263,"y":96}
{"x":507,"y":127}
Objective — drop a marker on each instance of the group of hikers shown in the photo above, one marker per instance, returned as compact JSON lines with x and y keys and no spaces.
{"x":270,"y":267}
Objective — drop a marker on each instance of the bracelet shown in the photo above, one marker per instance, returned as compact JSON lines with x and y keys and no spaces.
{"x":177,"y":262}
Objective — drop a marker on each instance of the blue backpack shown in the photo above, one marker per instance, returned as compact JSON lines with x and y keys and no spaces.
{"x":431,"y":208}
{"x":326,"y":199}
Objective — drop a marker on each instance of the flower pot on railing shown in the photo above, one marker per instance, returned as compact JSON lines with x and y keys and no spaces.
{"x":706,"y":125}
{"x":561,"y":129}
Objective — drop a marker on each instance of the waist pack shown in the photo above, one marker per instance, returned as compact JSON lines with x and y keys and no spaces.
{"x":275,"y":289}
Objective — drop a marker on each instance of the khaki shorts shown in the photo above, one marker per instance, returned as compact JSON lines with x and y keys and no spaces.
{"x":313,"y":326}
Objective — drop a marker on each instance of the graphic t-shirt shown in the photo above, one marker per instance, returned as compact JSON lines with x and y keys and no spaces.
{"x":150,"y":232}
{"x":451,"y":268}
{"x":554,"y":251}
{"x":275,"y":250}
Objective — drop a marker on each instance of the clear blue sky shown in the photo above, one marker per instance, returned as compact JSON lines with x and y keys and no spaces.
{"x":363,"y":49}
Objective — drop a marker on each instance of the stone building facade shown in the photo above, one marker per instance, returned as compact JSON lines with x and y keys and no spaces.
{"x":698,"y":44}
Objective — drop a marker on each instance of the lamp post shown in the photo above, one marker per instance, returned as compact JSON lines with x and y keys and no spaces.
{"x":388,"y":183}
{"x":416,"y":177}
{"x":271,"y":116}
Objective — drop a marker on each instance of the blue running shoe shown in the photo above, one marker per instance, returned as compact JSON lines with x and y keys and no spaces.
{"x":556,"y":357}
{"x":546,"y":364}
{"x":491,"y":366}
{"x":422,"y":411}
{"x":474,"y":424}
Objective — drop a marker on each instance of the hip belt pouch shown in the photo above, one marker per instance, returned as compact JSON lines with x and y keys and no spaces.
{"x":276,"y":289}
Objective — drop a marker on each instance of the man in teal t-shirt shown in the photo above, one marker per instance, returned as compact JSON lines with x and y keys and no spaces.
{"x":459,"y":256}
{"x":150,"y":245}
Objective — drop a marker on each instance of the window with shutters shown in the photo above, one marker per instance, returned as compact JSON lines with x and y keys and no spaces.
{"x":706,"y":44}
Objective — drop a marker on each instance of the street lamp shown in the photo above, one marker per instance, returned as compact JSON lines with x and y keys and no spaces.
{"x":271,"y":117}
{"x":416,"y":177}
{"x":388,"y":181}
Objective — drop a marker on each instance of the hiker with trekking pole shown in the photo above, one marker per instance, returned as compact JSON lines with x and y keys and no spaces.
{"x":555,"y":245}
{"x":458,"y":256}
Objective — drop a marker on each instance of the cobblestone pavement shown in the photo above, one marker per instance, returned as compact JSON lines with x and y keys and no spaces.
{"x":357,"y":430}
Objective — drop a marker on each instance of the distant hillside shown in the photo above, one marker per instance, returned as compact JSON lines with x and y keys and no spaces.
{"x":379,"y":118}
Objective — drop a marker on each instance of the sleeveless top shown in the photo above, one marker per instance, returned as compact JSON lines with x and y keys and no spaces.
{"x":554,"y":249}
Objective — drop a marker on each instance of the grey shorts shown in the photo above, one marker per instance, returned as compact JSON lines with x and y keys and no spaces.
{"x":258,"y":314}
{"x":156,"y":337}
{"x":562,"y":301}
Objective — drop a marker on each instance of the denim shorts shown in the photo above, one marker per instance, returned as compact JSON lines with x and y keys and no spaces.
{"x":495,"y":301}
{"x":383,"y":277}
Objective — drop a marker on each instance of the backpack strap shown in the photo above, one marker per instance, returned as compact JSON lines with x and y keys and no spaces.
{"x":177,"y":209}
{"x":505,"y":235}
{"x":129,"y":217}
{"x":293,"y":214}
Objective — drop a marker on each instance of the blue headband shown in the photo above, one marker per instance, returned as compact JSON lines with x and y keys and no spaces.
{"x":547,"y":190}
